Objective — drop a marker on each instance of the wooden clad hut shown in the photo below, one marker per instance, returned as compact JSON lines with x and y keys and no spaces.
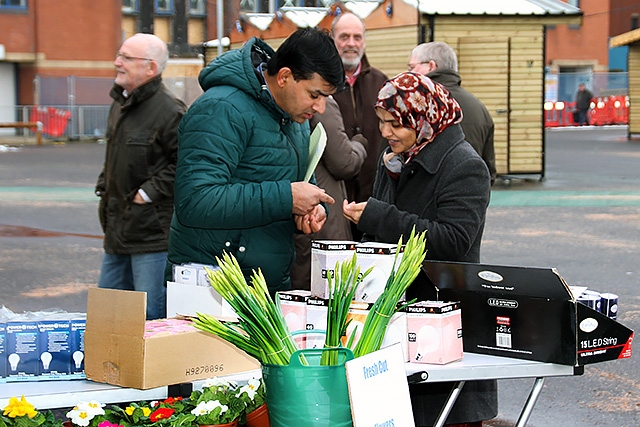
{"x":500,"y":46}
{"x":632,"y":39}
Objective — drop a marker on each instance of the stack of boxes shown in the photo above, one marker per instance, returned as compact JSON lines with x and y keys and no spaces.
{"x":380,"y":258}
{"x":41,"y":346}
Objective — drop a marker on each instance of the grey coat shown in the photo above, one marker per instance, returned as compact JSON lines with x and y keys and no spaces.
{"x":444,"y":190}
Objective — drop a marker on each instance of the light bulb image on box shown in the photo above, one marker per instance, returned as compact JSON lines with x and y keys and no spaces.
{"x":46,"y":360}
{"x":372,"y":286}
{"x":78,"y":356}
{"x":294,"y":321}
{"x":428,"y":340}
{"x":14,"y":359}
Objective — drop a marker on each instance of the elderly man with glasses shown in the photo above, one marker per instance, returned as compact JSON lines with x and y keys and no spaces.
{"x":136,"y":183}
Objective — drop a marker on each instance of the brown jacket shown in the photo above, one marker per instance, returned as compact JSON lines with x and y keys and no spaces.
{"x":356,"y":105}
{"x":342,"y":159}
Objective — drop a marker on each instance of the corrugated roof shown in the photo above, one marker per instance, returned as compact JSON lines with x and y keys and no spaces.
{"x":625,"y":38}
{"x":494,"y":7}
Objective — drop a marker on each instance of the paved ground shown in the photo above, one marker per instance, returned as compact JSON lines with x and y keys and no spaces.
{"x":583,"y":219}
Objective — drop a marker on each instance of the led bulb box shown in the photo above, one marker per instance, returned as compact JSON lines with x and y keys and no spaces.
{"x":434,"y":331}
{"x":118,"y":350}
{"x":527,"y":313}
{"x":293,"y":305}
{"x":380,"y":257}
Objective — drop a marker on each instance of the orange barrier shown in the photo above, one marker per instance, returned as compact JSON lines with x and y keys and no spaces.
{"x":607,"y":110}
{"x":54,"y":120}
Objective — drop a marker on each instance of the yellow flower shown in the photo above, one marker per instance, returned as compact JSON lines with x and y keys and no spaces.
{"x":146,"y":411}
{"x":20,"y":408}
{"x":129,"y":410}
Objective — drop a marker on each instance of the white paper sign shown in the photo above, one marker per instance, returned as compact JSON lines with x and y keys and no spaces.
{"x":378,"y":389}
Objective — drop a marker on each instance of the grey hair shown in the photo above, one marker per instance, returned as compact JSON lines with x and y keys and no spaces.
{"x":338,"y":17}
{"x":156,"y":49}
{"x":439,"y":52}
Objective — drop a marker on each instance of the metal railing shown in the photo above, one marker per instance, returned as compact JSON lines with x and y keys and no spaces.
{"x":59,"y":121}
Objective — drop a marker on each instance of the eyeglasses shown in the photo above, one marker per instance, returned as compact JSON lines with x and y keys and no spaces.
{"x":127,"y":58}
{"x":411,"y":66}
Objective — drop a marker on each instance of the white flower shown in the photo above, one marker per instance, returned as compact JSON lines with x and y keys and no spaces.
{"x":205,"y":408}
{"x":251,"y":388}
{"x":84,"y":412}
{"x":219,"y":382}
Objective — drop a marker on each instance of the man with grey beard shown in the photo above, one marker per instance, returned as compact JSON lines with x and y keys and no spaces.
{"x":356,"y":101}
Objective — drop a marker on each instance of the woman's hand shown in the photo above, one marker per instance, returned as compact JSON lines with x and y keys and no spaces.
{"x":353,"y":211}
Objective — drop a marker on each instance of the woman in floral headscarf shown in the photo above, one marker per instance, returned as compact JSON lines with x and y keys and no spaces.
{"x":430,"y":178}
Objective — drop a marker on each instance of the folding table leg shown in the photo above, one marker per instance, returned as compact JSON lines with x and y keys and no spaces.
{"x":448,"y":405}
{"x":530,"y":403}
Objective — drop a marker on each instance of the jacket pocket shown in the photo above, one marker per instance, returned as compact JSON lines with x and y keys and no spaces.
{"x":140,"y":223}
{"x":139,"y":152}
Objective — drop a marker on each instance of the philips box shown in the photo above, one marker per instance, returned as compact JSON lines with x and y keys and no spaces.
{"x":434,"y":332}
{"x":324,"y":256}
{"x":527,"y":313}
{"x":293,"y":305}
{"x":381,"y":257}
{"x":396,"y":328}
{"x":120,"y":351}
{"x":316,"y":320}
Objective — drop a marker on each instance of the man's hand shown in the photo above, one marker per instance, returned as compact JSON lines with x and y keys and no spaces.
{"x":138,"y":199}
{"x":313,"y":222}
{"x":353,"y":211}
{"x":306,"y":197}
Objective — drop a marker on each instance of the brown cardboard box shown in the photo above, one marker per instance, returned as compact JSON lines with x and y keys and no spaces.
{"x":117,"y":352}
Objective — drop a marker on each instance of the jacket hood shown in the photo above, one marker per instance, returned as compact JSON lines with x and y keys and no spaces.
{"x":237,"y":68}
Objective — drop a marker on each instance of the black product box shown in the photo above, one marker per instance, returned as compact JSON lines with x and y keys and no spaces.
{"x":527,"y":313}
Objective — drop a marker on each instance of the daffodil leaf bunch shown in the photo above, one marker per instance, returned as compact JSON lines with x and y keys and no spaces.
{"x":252,"y":394}
{"x":217,"y":402}
{"x":261,"y":330}
{"x":21,"y":413}
{"x":387,"y":304}
{"x":342,"y":288}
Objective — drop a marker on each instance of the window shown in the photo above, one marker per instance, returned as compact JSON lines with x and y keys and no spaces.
{"x":197,"y":7}
{"x":254,"y":6}
{"x":164,"y":7}
{"x":13,"y":4}
{"x":634,"y":21}
{"x":575,"y":3}
{"x":130,"y":6}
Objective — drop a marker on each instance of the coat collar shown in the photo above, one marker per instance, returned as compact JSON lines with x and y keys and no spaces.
{"x":430,"y":158}
{"x":139,"y":94}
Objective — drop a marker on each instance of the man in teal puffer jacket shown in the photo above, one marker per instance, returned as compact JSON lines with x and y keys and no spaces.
{"x":242,"y":155}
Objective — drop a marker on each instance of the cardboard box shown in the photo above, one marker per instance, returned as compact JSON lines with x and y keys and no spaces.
{"x":117,"y":351}
{"x":435,"y":332}
{"x":187,"y":300}
{"x":381,"y":257}
{"x":22,"y":350}
{"x":527,"y":313}
{"x":324,"y":255}
{"x":316,"y":320}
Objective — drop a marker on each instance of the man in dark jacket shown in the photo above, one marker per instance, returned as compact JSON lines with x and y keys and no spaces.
{"x":356,"y":101}
{"x":244,"y":148}
{"x":136,"y":183}
{"x":438,"y":61}
{"x":583,"y":104}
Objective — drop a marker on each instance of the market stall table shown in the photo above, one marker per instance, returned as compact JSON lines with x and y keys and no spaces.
{"x":64,"y":394}
{"x":484,"y":367}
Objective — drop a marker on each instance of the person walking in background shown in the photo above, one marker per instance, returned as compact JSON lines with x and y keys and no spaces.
{"x":429,"y":178}
{"x":342,"y":159}
{"x":136,"y":183}
{"x":438,"y":61}
{"x":243,"y":155}
{"x":583,"y":104}
{"x":356,"y":101}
